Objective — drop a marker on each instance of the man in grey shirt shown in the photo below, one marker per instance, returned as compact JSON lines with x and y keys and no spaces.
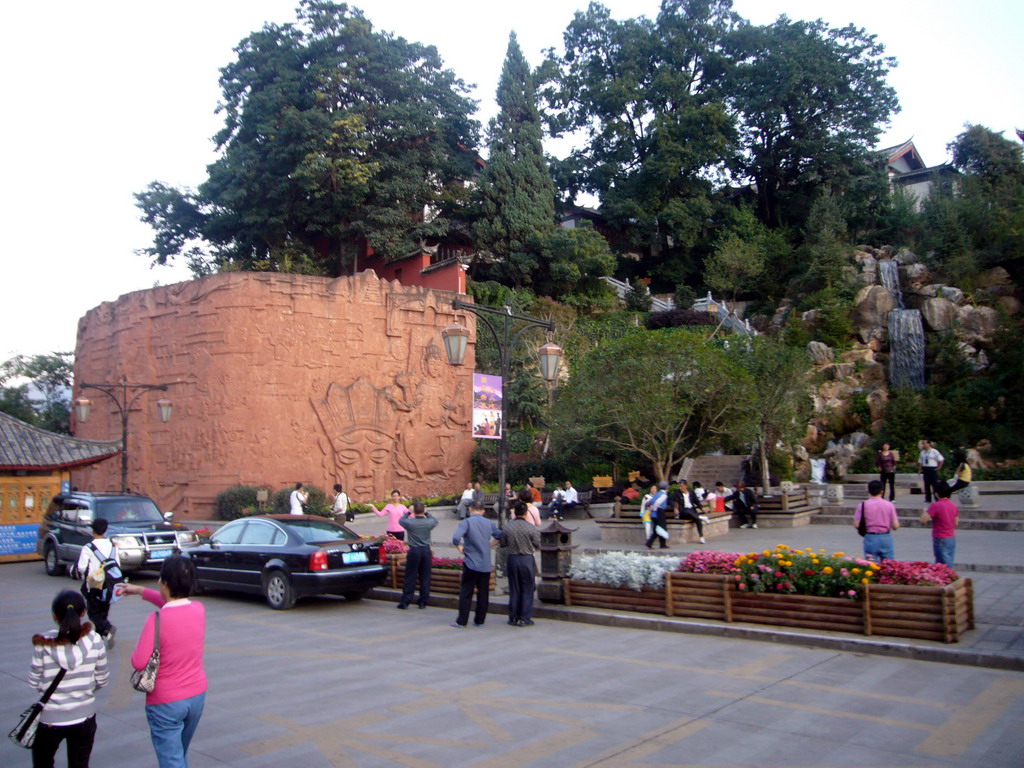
{"x":522,"y":539}
{"x":418,"y":526}
{"x":473,"y":539}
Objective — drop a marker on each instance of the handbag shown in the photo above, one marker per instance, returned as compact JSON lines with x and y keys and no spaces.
{"x":862,"y":526}
{"x":24,"y":733}
{"x":144,"y":679}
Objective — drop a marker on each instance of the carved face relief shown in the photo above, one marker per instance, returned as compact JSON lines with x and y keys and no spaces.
{"x":365,"y":463}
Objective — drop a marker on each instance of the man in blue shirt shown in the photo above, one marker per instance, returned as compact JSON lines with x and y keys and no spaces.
{"x":473,"y":538}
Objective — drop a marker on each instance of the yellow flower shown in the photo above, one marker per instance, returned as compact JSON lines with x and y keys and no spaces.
{"x":827,"y":569}
{"x":864,"y":581}
{"x":855,"y":571}
{"x":838,"y":554}
{"x":767,"y":553}
{"x":876,"y":567}
{"x":821,"y":551}
{"x":816,"y":561}
{"x":781,"y":546}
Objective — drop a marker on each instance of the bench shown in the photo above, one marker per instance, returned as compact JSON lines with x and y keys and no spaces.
{"x":629,"y":530}
{"x":583,"y":503}
{"x":791,"y":509}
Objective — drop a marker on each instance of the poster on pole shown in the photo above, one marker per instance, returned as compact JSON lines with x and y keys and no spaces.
{"x":487,"y":406}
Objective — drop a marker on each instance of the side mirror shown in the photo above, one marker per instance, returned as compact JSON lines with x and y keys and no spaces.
{"x":168,"y":516}
{"x":85,"y":517}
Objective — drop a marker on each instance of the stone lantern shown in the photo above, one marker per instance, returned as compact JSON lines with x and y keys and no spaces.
{"x":555,"y":561}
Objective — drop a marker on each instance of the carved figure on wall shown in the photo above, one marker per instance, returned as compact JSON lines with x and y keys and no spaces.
{"x":360,"y":424}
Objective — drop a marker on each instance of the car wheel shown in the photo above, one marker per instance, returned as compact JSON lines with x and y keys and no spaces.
{"x":278,"y":591}
{"x":353,"y":596}
{"x":51,"y":562}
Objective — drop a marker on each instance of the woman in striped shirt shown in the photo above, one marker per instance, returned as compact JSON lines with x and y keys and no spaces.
{"x":71,"y":711}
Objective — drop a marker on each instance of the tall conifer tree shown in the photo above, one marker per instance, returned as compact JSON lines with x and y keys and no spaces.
{"x":517,"y":193}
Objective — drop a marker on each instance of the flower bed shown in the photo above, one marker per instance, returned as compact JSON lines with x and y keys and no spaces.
{"x":445,"y":574}
{"x":783,"y":587}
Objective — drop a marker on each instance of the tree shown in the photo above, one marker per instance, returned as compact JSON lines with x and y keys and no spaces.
{"x":812,"y":101}
{"x":638,"y":297}
{"x":780,"y":403}
{"x":734,"y":267}
{"x":517,"y":194}
{"x":574,"y":262}
{"x":664,"y":395}
{"x":642,"y":98}
{"x":333,"y":132}
{"x":43,"y":399}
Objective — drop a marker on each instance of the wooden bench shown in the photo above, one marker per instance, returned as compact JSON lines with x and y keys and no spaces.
{"x":786,"y":510}
{"x":629,"y":530}
{"x":583,"y":503}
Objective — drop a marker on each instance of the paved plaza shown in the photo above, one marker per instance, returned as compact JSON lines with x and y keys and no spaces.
{"x":361,"y":685}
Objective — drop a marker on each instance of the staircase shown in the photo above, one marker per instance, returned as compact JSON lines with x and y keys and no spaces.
{"x":970,"y":519}
{"x":707,"y":470}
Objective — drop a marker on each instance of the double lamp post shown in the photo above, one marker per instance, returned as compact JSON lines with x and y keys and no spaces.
{"x":501,"y":322}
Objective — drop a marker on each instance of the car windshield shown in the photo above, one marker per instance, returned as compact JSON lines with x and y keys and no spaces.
{"x":319,"y":530}
{"x":139,"y":510}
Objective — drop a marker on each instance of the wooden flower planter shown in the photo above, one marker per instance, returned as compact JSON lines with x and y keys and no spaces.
{"x":589,"y":595}
{"x":442,"y":580}
{"x":925,"y":613}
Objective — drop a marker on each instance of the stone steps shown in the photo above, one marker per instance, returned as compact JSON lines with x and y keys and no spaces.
{"x":910,"y":519}
{"x":707,"y":470}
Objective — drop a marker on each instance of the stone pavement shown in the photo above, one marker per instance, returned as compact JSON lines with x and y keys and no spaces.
{"x":361,"y":685}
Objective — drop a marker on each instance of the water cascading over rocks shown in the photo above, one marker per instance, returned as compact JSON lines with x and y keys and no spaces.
{"x":906,"y":334}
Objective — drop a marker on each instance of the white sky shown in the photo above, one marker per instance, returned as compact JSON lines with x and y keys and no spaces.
{"x":102,"y":98}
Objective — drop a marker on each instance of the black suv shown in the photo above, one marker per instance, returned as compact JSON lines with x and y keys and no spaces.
{"x":143,"y":536}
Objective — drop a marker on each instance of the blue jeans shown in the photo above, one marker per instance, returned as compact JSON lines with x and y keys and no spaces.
{"x":878,"y":545}
{"x":945,"y":550}
{"x":171,"y":727}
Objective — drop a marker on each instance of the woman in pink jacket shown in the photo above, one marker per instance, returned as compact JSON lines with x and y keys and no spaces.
{"x":174,"y":707}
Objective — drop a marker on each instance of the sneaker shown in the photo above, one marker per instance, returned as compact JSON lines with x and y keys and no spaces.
{"x":701,"y":540}
{"x":704,"y":518}
{"x":457,"y":625}
{"x":745,"y":525}
{"x":525,"y":622}
{"x":421,"y":606}
{"x":109,"y":637}
{"x":402,"y":606}
{"x":478,"y":623}
{"x":513,"y":622}
{"x":754,"y":525}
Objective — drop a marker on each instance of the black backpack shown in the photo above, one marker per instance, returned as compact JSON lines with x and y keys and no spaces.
{"x":108,"y":569}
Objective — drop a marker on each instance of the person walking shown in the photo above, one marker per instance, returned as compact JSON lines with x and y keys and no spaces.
{"x":944,"y":517}
{"x":744,"y":503}
{"x":885,"y":460}
{"x":340,"y":507}
{"x":394,"y":511}
{"x":297,"y":500}
{"x":472,"y":538}
{"x":880,"y":521}
{"x":70,"y":714}
{"x":98,"y":560}
{"x":175,"y":705}
{"x":929,"y":462}
{"x":658,"y":506}
{"x":418,"y":525}
{"x":686,"y":505}
{"x":522,"y":539}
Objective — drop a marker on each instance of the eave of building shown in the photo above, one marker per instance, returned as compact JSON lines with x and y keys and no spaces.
{"x":24,"y":447}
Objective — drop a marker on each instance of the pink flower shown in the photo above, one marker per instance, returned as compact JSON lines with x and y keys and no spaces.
{"x":742,"y":587}
{"x":844,"y":572}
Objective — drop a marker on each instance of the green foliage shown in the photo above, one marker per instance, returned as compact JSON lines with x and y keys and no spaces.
{"x":574,"y":262}
{"x":318,"y":503}
{"x":638,"y":297}
{"x":237,"y":501}
{"x":834,"y":326}
{"x":663,"y":395}
{"x":735,"y":266}
{"x":904,"y":422}
{"x":684,"y":296}
{"x":333,"y":132}
{"x":43,"y":400}
{"x":516,"y":190}
{"x":812,"y":101}
{"x":827,"y":252}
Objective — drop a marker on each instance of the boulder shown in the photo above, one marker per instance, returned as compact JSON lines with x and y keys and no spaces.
{"x":779,"y":318}
{"x":877,"y":400}
{"x":914,"y":275}
{"x":871,"y":306}
{"x":873,"y":373}
{"x":858,"y":355}
{"x":951,"y":293}
{"x":1008,"y":304}
{"x":929,"y":291}
{"x":977,"y":325}
{"x":906,"y":256}
{"x":939,"y":314}
{"x":837,"y":371}
{"x":993,"y":277}
{"x":810,"y":318}
{"x":819,"y":353}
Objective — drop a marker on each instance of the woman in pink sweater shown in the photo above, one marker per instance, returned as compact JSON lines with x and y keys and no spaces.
{"x":174,"y":707}
{"x":395,"y":511}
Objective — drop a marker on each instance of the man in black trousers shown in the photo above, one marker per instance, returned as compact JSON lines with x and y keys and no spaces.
{"x":418,"y":526}
{"x":473,"y":538}
{"x":522,"y":539}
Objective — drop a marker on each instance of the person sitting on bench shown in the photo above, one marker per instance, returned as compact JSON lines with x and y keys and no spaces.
{"x":563,"y":500}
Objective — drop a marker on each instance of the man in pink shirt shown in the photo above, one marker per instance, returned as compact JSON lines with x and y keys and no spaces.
{"x":881,"y":520}
{"x":944,"y":516}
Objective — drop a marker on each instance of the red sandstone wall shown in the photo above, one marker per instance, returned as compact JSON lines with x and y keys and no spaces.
{"x":277,"y":379}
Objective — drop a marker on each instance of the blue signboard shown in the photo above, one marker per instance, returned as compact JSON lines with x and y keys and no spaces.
{"x":18,"y":539}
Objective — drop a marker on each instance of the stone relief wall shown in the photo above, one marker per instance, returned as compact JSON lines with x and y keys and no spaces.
{"x":277,"y":379}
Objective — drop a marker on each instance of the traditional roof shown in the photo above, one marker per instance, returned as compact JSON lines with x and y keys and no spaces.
{"x":23,"y":446}
{"x":906,"y":150}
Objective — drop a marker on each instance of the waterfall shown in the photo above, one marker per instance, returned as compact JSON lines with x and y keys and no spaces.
{"x":906,"y":334}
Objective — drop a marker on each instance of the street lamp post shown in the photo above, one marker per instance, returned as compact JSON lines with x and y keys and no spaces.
{"x":456,"y":338}
{"x":119,"y":393}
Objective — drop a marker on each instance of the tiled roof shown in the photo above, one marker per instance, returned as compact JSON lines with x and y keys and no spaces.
{"x":23,"y":446}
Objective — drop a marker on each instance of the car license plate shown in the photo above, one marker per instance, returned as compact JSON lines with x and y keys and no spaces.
{"x":159,"y":554}
{"x":353,"y":557}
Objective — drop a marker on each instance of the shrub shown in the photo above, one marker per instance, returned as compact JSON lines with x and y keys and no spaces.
{"x":916,"y":574}
{"x":804,"y":572}
{"x":672,"y":318}
{"x":317,"y":504}
{"x":237,"y":501}
{"x":708,"y":561}
{"x":624,"y":569}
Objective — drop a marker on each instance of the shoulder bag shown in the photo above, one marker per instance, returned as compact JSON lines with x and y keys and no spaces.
{"x":862,"y":526}
{"x":24,"y":733}
{"x":145,"y":679}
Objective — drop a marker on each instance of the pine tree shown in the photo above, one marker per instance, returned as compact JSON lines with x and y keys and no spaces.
{"x":517,"y":193}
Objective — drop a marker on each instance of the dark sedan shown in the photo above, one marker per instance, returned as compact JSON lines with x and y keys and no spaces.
{"x":285,"y":557}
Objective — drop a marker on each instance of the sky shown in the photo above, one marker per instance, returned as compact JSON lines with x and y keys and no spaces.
{"x":103,"y":98}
